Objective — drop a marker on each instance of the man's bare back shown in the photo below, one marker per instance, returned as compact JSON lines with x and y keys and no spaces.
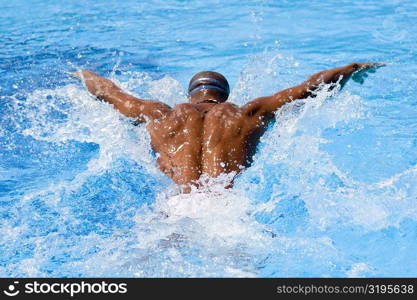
{"x":210,"y":136}
{"x":207,"y":138}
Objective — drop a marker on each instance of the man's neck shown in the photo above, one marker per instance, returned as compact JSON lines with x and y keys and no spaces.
{"x":205,"y":106}
{"x":209,"y":101}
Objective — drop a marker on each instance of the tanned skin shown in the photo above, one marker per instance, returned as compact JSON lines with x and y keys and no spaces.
{"x":205,"y":136}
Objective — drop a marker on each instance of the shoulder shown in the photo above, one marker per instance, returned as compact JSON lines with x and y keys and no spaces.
{"x":185,"y":111}
{"x":255,"y":106}
{"x":184,"y":107}
{"x":226,"y":106}
{"x":225,"y":109}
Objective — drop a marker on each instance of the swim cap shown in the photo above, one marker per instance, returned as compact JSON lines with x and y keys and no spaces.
{"x":208,"y":80}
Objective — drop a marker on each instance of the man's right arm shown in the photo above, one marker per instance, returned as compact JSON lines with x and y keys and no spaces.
{"x":130,"y":106}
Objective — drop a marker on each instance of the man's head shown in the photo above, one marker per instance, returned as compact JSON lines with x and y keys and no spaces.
{"x":208,"y":86}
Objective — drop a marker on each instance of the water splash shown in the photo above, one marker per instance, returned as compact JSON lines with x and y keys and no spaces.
{"x":117,"y":214}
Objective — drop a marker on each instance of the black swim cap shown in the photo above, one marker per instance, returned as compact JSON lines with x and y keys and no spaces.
{"x":208,"y":80}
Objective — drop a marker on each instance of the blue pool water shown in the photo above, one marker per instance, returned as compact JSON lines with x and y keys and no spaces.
{"x":332,"y":191}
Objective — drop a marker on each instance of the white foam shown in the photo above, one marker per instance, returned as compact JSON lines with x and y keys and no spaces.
{"x":213,"y":231}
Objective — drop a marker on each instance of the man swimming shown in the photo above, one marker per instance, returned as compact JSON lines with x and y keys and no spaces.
{"x":210,"y":136}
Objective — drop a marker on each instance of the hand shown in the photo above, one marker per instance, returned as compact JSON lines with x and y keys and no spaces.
{"x":83,"y":74}
{"x":77,"y":74}
{"x":96,"y":85}
{"x":362,"y":70}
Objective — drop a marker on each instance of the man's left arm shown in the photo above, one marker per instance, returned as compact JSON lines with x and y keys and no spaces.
{"x":270,"y":104}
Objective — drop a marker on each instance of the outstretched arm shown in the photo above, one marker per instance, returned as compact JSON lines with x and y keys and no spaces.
{"x":268,"y":105}
{"x":128,"y":105}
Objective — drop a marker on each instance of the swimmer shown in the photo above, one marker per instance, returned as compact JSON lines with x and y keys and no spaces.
{"x":210,"y":136}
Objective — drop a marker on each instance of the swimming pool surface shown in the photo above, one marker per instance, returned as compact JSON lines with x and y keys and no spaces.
{"x":332,"y":190}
